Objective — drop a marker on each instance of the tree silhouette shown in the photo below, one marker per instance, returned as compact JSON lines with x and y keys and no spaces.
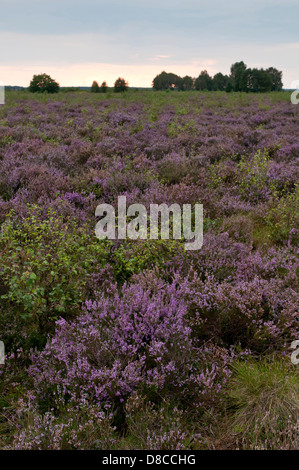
{"x":238,"y":76}
{"x":187,"y":83}
{"x":167,"y":81}
{"x":43,"y":83}
{"x":104,"y":87}
{"x":120,"y":85}
{"x":95,"y":87}
{"x":220,"y":82}
{"x":240,"y":79}
{"x":204,"y":81}
{"x":276,"y":77}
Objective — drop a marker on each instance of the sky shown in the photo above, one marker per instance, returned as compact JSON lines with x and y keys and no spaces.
{"x":77,"y":42}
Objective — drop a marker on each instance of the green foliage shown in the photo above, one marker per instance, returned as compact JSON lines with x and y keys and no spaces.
{"x":220,"y":81}
{"x":95,"y":87}
{"x":283,"y":217}
{"x":45,"y":265}
{"x":241,"y":79}
{"x":120,"y":85}
{"x":257,"y":81}
{"x":253,"y":174}
{"x":169,"y":81}
{"x":187,"y":83}
{"x":222,"y":173}
{"x":140,"y":255}
{"x":238,"y":76}
{"x":204,"y":81}
{"x":104,"y":87}
{"x":176,"y":128}
{"x":276,"y":78}
{"x":43,"y":83}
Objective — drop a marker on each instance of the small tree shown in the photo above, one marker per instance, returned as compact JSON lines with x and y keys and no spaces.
{"x":220,"y":81}
{"x":204,"y":81}
{"x":276,"y":78}
{"x":104,"y":87}
{"x":43,"y":82}
{"x":229,"y":87}
{"x":95,"y":87}
{"x":168,"y":81}
{"x":238,"y":76}
{"x":120,"y":85}
{"x":258,"y":80}
{"x":187,"y":83}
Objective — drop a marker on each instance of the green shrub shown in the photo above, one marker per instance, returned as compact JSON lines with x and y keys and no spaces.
{"x":283,"y":217}
{"x":253,"y":175}
{"x":45,"y":265}
{"x":137,"y":256}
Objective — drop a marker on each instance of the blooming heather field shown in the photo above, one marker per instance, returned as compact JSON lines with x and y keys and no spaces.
{"x":142,"y":344}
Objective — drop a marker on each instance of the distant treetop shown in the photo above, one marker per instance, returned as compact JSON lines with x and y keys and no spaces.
{"x":43,"y":83}
{"x":241,"y":78}
{"x":95,"y":87}
{"x":104,"y":87}
{"x":120,"y":85}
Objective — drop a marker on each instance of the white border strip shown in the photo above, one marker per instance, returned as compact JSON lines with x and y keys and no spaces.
{"x":2,"y":93}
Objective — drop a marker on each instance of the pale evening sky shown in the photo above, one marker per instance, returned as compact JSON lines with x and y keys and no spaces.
{"x":77,"y":42}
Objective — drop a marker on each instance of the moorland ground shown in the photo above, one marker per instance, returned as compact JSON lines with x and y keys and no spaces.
{"x":140,"y":344}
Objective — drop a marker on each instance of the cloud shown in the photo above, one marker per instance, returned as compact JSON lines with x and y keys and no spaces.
{"x":163,"y":34}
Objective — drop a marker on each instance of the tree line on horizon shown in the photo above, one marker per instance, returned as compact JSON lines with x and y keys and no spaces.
{"x":240,"y":78}
{"x":120,"y":85}
{"x":44,"y":83}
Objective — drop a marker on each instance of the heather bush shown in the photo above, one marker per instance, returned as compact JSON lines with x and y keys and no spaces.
{"x":14,"y":383}
{"x":76,"y":429}
{"x":173,"y":168}
{"x":136,"y":341}
{"x":158,"y":428}
{"x":219,"y":256}
{"x":141,"y":344}
{"x":258,"y":315}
